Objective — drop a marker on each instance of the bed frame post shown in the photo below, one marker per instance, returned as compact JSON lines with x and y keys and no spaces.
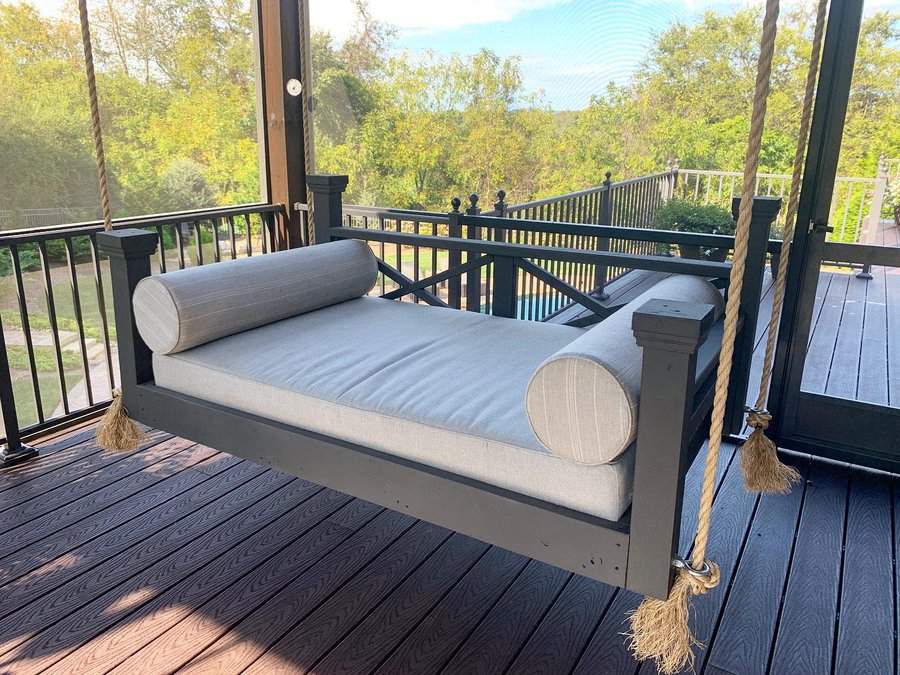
{"x":670,"y":333}
{"x":129,"y":254}
{"x":327,"y":190}
{"x":765,"y":210}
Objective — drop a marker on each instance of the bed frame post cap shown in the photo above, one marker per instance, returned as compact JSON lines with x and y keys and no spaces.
{"x":765,"y":209}
{"x":672,"y":325}
{"x":127,"y":243}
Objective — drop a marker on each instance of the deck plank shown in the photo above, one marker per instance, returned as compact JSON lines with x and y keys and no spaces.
{"x":307,"y":642}
{"x":249,"y":638}
{"x":493,"y":645}
{"x":873,"y":360}
{"x":843,"y":374}
{"x":865,"y":639}
{"x":743,"y":639}
{"x":223,"y":516}
{"x":370,"y":643}
{"x":824,"y":335}
{"x":892,"y":289}
{"x":804,"y":637}
{"x":51,"y":562}
{"x":435,"y":639}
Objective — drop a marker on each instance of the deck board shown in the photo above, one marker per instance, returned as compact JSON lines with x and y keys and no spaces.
{"x":179,"y":557}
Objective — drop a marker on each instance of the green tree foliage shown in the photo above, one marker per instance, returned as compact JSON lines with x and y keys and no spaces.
{"x":177,"y":89}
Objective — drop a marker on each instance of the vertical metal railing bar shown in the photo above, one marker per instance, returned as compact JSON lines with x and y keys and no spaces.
{"x":179,"y":244}
{"x":161,"y":252}
{"x":79,"y":318}
{"x":54,"y":330}
{"x":26,"y":330}
{"x":217,"y":253}
{"x":101,"y":308}
{"x":231,"y":237}
{"x":198,"y":242}
{"x":248,"y":231}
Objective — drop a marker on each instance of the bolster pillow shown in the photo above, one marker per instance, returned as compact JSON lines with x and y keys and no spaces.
{"x":582,"y":401}
{"x":179,"y":310}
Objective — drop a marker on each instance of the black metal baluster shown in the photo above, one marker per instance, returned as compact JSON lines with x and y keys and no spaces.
{"x":54,"y":330}
{"x":79,"y":318}
{"x":101,"y":307}
{"x":14,"y":451}
{"x":26,"y":330}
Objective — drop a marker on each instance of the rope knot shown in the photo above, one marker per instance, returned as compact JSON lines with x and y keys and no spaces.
{"x":758,"y":418}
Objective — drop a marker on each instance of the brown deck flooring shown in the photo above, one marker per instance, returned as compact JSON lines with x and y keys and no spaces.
{"x":178,"y":557}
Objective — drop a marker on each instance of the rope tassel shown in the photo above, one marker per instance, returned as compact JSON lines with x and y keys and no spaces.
{"x":659,"y":628}
{"x":116,"y":430}
{"x":763,"y":470}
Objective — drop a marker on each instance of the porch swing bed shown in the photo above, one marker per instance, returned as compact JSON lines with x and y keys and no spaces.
{"x":565,"y":444}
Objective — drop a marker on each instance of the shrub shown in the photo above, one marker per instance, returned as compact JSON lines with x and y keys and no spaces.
{"x":685,"y":216}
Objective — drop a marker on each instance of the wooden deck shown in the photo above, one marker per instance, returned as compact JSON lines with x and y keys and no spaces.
{"x":178,"y":557}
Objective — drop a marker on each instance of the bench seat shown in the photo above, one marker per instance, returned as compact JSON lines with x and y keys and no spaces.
{"x":437,"y":386}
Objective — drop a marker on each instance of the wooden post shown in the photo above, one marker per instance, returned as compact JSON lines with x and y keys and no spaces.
{"x":505,"y":301}
{"x":14,"y":451}
{"x":326,"y":190}
{"x":129,"y":254}
{"x":670,"y":334}
{"x":500,"y":209}
{"x":454,"y":258}
{"x":765,"y":210}
{"x":278,"y":28}
{"x":601,"y":271}
{"x":473,"y":277}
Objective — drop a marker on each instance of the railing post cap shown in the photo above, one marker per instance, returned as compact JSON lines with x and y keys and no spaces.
{"x":127,"y":243}
{"x":327,"y":182}
{"x":764,"y":207}
{"x":672,"y":325}
{"x":455,"y":203}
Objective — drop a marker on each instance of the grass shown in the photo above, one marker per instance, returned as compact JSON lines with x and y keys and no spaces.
{"x":44,"y":359}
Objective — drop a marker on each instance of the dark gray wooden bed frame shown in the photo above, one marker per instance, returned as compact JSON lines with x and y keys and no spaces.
{"x":680,"y":343}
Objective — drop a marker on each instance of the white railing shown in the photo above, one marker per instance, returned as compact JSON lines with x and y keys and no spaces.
{"x":855,"y":205}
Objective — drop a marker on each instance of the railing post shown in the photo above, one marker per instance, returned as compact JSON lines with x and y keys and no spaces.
{"x":454,"y":258}
{"x":873,"y":220}
{"x":500,"y":209}
{"x":505,"y":301}
{"x":765,"y":211}
{"x":606,"y":205}
{"x":14,"y":451}
{"x":327,"y":190}
{"x":473,"y":277}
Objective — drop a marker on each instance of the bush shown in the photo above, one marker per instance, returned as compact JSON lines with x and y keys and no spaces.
{"x":681,"y":215}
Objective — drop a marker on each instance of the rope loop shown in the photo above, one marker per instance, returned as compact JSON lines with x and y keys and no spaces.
{"x":701,"y":579}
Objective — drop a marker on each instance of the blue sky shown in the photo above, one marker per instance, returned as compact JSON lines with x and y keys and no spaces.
{"x":570,"y":49}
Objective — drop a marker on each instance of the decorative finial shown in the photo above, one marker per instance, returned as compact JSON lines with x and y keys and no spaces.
{"x":501,"y":195}
{"x":473,"y":200}
{"x":455,"y":203}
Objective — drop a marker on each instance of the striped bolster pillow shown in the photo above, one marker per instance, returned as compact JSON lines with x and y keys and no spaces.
{"x":582,"y":402}
{"x":183,"y":309}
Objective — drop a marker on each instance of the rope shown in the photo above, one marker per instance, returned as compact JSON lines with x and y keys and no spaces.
{"x":307,"y":117}
{"x":659,"y":629}
{"x":763,"y":470}
{"x":95,"y":114}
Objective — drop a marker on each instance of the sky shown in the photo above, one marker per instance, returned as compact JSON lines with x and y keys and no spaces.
{"x":569,"y":49}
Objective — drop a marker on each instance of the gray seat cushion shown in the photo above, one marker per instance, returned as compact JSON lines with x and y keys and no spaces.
{"x":438,"y":386}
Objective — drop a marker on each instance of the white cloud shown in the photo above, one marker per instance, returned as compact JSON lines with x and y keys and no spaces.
{"x":420,"y":16}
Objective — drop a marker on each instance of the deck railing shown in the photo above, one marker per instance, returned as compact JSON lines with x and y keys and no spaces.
{"x":856,"y":203}
{"x":58,"y":336}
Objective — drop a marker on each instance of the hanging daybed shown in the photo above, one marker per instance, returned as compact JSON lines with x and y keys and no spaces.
{"x":564,"y":444}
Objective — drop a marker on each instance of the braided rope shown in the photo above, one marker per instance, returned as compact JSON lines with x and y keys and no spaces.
{"x":736,"y":281}
{"x":100,"y":155}
{"x":307,"y":117}
{"x":793,"y":201}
